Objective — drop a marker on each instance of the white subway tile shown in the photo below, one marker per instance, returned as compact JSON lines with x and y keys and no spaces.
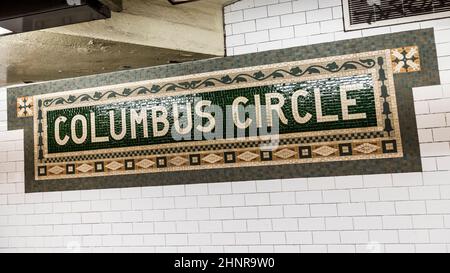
{"x":198,"y":214}
{"x":351,"y":209}
{"x":442,"y":36}
{"x":270,"y":211}
{"x":158,"y":203}
{"x":414,"y":236}
{"x":305,"y":5}
{"x":336,"y":196}
{"x":329,"y":3}
{"x":199,"y":239}
{"x":322,"y":38}
{"x":337,"y":12}
{"x":164,"y":227}
{"x":313,"y":248}
{"x":279,"y":9}
{"x":427,"y":92}
{"x":421,"y":107}
{"x":182,"y":202}
{"x":362,"y":195}
{"x":285,"y":224}
{"x":232,"y":200}
{"x":196,"y":189}
{"x":436,"y":178}
{"x":244,"y":187}
{"x":221,"y":213}
{"x":428,"y":221}
{"x":267,"y":23}
{"x":273,"y":238}
{"x":259,"y":225}
{"x":287,"y":248}
{"x":384,"y":236}
{"x":407,"y":179}
{"x":323,"y":210}
{"x":322,"y":183}
{"x":431,"y":248}
{"x":367,"y":223}
{"x":394,"y":194}
{"x":235,"y":40}
{"x":424,"y":192}
{"x":435,"y":149}
{"x":431,"y":121}
{"x":377,"y":180}
{"x":326,"y":237}
{"x":298,"y":18}
{"x":397,"y":222}
{"x":265,"y":2}
{"x":332,"y":26}
{"x":349,"y":182}
{"x":244,"y":27}
{"x":301,"y":238}
{"x":425,"y":135}
{"x":172,"y":190}
{"x":223,"y":239}
{"x":233,"y":17}
{"x":443,"y":163}
{"x":354,"y":237}
{"x":254,"y":13}
{"x":380,"y":208}
{"x":339,"y":223}
{"x":308,"y":197}
{"x":219,"y":188}
{"x":410,"y":207}
{"x":294,"y":184}
{"x":208,"y":201}
{"x":108,"y":194}
{"x":296,"y":211}
{"x":268,"y":185}
{"x":281,"y":33}
{"x":438,"y":206}
{"x":245,"y":212}
{"x":187,"y":226}
{"x":247,"y":238}
{"x":440,"y":236}
{"x":234,"y":225}
{"x":269,"y":46}
{"x":441,"y":134}
{"x":175,"y":214}
{"x":278,"y":198}
{"x":307,"y":30}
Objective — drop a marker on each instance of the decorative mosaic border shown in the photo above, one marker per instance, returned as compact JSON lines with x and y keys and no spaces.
{"x":194,"y":156}
{"x":426,"y":74}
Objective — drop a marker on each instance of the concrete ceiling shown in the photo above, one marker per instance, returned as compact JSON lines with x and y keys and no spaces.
{"x":145,"y":33}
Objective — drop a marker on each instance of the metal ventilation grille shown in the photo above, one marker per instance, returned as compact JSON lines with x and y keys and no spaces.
{"x":372,"y":13}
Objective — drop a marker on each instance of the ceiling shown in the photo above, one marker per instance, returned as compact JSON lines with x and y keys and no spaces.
{"x":136,"y":37}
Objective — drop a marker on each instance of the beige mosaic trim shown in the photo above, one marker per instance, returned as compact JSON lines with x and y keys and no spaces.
{"x":288,"y":154}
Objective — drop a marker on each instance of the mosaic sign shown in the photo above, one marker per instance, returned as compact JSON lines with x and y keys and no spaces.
{"x":361,"y":14}
{"x":252,"y":122}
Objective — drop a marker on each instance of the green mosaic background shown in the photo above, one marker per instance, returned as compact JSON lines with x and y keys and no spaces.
{"x":411,"y":162}
{"x":330,"y":99}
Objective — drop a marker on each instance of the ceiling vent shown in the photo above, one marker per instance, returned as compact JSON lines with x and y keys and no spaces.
{"x":361,"y":14}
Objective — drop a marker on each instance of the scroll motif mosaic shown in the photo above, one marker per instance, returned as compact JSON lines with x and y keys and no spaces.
{"x":320,"y":110}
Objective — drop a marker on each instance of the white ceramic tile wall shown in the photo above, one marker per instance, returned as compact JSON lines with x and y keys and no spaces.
{"x":372,"y":213}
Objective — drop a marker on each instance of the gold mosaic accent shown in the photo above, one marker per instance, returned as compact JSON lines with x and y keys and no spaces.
{"x":25,"y":107}
{"x":405,"y":59}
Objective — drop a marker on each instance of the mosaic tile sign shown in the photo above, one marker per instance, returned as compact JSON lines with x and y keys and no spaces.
{"x":282,"y":116}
